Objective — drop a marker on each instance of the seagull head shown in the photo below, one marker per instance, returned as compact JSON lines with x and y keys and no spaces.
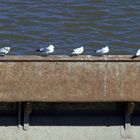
{"x":7,"y":48}
{"x":106,"y":47}
{"x":51,"y":46}
{"x":82,"y":48}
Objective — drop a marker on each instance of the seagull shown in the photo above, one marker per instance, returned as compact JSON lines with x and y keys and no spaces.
{"x":78,"y":51}
{"x":102,"y":50}
{"x":136,"y":55}
{"x":4,"y":51}
{"x":47,"y":50}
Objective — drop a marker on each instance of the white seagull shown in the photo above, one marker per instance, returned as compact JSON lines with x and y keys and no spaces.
{"x":47,"y":50}
{"x":4,"y":51}
{"x":78,"y":51}
{"x":102,"y":50}
{"x":136,"y":55}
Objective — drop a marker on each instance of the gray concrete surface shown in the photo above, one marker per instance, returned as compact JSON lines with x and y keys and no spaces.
{"x":68,"y":133}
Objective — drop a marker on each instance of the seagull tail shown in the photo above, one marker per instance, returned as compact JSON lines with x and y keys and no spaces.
{"x":2,"y":55}
{"x":73,"y":54}
{"x":38,"y":50}
{"x":95,"y":50}
{"x":133,"y":57}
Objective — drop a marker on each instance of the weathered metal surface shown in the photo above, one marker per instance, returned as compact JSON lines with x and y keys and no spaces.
{"x":65,"y":58}
{"x":63,"y":78}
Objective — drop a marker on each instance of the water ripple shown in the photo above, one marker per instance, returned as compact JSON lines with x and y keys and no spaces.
{"x":27,"y":25}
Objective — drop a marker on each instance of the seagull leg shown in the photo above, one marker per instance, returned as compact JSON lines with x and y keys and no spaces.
{"x":102,"y":56}
{"x":74,"y":55}
{"x":46,"y":54}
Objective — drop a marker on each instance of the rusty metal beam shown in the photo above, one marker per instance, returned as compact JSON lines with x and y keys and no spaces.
{"x":127,"y":132}
{"x":19,"y":114}
{"x":69,"y":79}
{"x":66,"y":58}
{"x":27,"y":112}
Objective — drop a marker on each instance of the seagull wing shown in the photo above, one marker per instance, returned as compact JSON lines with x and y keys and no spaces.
{"x":77,"y":50}
{"x":49,"y":50}
{"x":74,"y":51}
{"x":98,"y":51}
{"x":43,"y":49}
{"x":138,"y":53}
{"x":2,"y":50}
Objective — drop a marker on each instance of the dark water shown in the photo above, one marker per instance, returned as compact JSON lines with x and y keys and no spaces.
{"x":26,"y":25}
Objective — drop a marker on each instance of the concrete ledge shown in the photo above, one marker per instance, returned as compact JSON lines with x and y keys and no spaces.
{"x":83,"y":58}
{"x":69,"y":79}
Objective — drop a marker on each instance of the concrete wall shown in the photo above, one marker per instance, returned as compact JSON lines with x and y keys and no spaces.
{"x":72,"y":98}
{"x":69,"y":79}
